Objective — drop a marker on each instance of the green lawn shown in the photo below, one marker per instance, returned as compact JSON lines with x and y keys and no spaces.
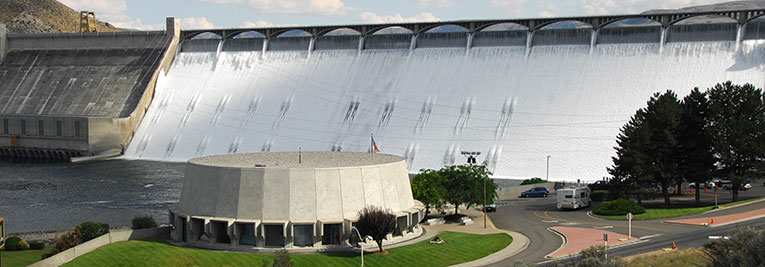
{"x":671,"y":212}
{"x":20,"y":258}
{"x":460,"y":247}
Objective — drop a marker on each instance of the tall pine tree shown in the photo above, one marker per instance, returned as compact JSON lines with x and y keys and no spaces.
{"x":737,"y":127}
{"x":694,"y":141}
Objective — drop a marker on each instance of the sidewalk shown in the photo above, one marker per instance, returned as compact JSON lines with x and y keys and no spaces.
{"x":722,"y":220}
{"x":576,"y":239}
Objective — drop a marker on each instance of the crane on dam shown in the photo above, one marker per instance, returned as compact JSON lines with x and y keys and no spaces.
{"x":88,"y":21}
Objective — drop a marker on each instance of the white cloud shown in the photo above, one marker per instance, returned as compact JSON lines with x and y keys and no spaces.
{"x":257,"y":24}
{"x":289,"y":7}
{"x":435,"y":3}
{"x":196,"y":23}
{"x":512,"y":7}
{"x":369,"y":17}
{"x":546,"y":14}
{"x":599,"y":7}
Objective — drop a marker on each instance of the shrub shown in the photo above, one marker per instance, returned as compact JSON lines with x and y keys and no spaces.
{"x":535,"y":180}
{"x":619,"y":207}
{"x":744,"y":248}
{"x":90,"y":230}
{"x":15,"y":243}
{"x":596,"y":256}
{"x":282,"y":259}
{"x":143,"y":222}
{"x":36,"y":245}
{"x":599,"y":195}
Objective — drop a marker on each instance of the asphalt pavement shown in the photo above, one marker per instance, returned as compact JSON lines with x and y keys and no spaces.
{"x":532,"y":217}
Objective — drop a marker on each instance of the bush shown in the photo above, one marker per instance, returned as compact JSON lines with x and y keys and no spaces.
{"x":282,"y":259}
{"x":535,"y":180}
{"x":619,"y":207}
{"x":596,"y":256}
{"x":36,"y":245}
{"x":744,"y":248}
{"x":14,"y":243}
{"x":599,"y":195}
{"x":143,"y":222}
{"x":90,"y":230}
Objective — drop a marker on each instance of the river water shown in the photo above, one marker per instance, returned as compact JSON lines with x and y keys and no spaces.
{"x":59,"y":195}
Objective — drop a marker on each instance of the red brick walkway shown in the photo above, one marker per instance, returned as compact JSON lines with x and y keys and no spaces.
{"x":580,"y":238}
{"x":722,"y":219}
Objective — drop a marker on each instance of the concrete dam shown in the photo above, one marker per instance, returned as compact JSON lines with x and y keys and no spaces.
{"x":517,"y":94}
{"x":75,"y":95}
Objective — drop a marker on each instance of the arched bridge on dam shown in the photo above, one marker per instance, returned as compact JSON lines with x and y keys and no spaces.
{"x":730,"y":25}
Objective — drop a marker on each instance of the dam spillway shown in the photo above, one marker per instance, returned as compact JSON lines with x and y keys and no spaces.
{"x":517,"y":103}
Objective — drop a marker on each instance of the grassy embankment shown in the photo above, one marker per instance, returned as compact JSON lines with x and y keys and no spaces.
{"x":672,"y":212}
{"x":20,"y":258}
{"x":682,"y":257}
{"x":460,"y":247}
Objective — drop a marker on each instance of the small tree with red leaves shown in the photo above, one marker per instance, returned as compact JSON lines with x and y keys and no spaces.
{"x":376,"y":223}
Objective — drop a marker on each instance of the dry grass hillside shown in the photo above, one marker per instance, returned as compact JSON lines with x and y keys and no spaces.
{"x":41,"y":16}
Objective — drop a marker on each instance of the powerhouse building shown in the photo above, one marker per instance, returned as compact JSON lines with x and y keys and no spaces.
{"x":290,"y":199}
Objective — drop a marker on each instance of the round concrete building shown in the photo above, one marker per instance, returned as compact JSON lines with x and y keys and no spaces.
{"x":290,"y":199}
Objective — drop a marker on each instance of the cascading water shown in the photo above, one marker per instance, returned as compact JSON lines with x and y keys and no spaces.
{"x":427,"y":104}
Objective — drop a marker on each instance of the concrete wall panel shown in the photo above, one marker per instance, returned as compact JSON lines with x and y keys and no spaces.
{"x":389,"y":187}
{"x":373,"y":187}
{"x":202,"y":186}
{"x":329,"y":195}
{"x":276,"y":194}
{"x":353,"y":192}
{"x":303,"y":195}
{"x":251,"y":194}
{"x":227,"y":203}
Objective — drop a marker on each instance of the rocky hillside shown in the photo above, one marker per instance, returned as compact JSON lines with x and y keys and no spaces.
{"x":41,"y":16}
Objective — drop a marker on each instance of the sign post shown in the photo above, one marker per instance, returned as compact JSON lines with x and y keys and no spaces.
{"x":605,"y":242}
{"x":2,"y":238}
{"x":629,"y":223}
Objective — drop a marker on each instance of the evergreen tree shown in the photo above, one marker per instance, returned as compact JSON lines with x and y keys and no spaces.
{"x":628,"y":171}
{"x":695,"y":144}
{"x":662,"y":117}
{"x":737,"y":128}
{"x":646,"y":152}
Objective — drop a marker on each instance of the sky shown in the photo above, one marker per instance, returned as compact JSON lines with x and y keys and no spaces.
{"x":204,"y":14}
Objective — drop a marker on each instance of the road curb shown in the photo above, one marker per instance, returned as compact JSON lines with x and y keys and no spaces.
{"x":563,"y":238}
{"x":734,"y":206}
{"x":504,"y":253}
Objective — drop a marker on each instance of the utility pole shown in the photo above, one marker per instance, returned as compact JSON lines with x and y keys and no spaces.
{"x":471,"y":160}
{"x":547,"y":178}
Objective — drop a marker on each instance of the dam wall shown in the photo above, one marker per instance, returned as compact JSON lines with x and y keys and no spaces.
{"x":3,"y":41}
{"x":94,"y":87}
{"x":516,"y":96}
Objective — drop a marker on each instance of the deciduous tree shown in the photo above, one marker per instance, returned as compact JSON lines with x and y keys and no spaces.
{"x":376,"y":223}
{"x":428,"y":188}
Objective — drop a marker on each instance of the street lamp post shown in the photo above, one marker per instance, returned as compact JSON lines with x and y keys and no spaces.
{"x":471,"y":160}
{"x":360,"y":245}
{"x":547,"y":178}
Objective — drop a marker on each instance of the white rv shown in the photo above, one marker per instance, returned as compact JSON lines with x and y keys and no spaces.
{"x":573,"y":198}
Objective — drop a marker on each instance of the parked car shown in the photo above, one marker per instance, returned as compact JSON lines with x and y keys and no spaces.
{"x":536,"y":192}
{"x":599,"y":185}
{"x":573,"y":198}
{"x":491,"y":208}
{"x":693,"y":185}
{"x":741,"y":187}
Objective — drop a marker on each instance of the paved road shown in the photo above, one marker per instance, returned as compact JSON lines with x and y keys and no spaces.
{"x":532,"y":217}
